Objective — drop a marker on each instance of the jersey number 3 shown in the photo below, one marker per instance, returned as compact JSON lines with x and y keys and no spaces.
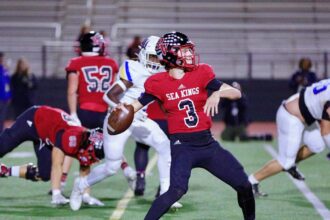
{"x":97,"y":84}
{"x":192,"y":118}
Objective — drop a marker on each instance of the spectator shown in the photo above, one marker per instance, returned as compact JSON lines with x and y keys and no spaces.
{"x":303,"y":77}
{"x":23,"y":84}
{"x":133,"y":49}
{"x":236,"y":119}
{"x":5,"y":93}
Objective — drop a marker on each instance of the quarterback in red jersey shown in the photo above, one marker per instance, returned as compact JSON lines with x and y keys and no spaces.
{"x":54,"y":134}
{"x":182,"y":90}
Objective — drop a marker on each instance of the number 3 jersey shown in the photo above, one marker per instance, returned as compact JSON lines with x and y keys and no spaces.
{"x":314,"y":100}
{"x":183,"y":99}
{"x":96,"y":75}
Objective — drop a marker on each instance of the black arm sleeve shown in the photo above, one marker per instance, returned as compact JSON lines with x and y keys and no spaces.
{"x":146,"y":98}
{"x":214,"y":85}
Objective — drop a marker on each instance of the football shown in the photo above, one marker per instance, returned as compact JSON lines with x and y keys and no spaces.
{"x":120,"y":119}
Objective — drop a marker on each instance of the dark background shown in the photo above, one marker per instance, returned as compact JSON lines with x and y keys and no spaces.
{"x":264,"y":96}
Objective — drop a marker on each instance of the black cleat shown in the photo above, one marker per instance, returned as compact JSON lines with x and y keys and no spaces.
{"x":295,"y":173}
{"x":256,"y":192}
{"x":140,"y":184}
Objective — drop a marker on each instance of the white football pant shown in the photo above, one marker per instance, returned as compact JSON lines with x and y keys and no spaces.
{"x":147,"y":132}
{"x":292,"y":134}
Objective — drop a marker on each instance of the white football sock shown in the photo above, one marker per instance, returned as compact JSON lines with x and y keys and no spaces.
{"x":253,"y":180}
{"x":15,"y":171}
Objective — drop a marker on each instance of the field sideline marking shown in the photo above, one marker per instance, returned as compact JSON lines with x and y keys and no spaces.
{"x":122,"y":204}
{"x":302,"y":186}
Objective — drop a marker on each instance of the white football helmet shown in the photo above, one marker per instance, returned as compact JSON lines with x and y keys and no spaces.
{"x":147,"y":48}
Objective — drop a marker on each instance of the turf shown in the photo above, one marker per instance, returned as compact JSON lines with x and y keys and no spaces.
{"x":207,"y":198}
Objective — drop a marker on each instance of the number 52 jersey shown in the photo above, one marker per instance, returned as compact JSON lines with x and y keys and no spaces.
{"x":96,"y":75}
{"x":183,"y":99}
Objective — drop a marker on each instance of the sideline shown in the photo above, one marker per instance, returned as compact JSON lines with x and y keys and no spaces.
{"x":304,"y":189}
{"x":122,"y":204}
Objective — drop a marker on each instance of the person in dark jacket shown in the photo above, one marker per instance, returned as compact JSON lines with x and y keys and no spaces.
{"x":235,"y":116}
{"x":303,"y":77}
{"x":23,"y":84}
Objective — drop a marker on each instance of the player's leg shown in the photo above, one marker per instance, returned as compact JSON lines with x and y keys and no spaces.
{"x":141,"y":162}
{"x":22,"y":130}
{"x":222,"y":164}
{"x":290,"y":130}
{"x":113,"y":150}
{"x":148,"y":132}
{"x":181,"y":166}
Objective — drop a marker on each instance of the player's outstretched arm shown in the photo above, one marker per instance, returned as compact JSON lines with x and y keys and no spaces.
{"x":212,"y":103}
{"x":229,"y":92}
{"x":72,"y":96}
{"x":111,"y":97}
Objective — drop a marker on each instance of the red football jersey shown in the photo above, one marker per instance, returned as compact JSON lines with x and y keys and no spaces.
{"x":155,"y":112}
{"x":183,"y":99}
{"x":49,"y":121}
{"x":96,"y":75}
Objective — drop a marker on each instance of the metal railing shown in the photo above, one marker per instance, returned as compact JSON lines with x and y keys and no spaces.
{"x":47,"y":25}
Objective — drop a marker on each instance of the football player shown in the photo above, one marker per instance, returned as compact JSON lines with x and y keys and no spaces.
{"x":303,"y":127}
{"x":89,"y":77}
{"x":54,"y":134}
{"x":128,"y":87}
{"x":182,"y":90}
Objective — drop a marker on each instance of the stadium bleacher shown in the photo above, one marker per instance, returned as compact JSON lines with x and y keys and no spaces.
{"x":272,"y":35}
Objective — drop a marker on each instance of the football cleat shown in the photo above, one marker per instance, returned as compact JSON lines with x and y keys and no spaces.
{"x":130,"y":175}
{"x":59,"y":199}
{"x":176,"y":205}
{"x":140,"y":184}
{"x":295,"y":173}
{"x":89,"y":200}
{"x":76,"y":196}
{"x":256,"y":192}
{"x":4,"y":170}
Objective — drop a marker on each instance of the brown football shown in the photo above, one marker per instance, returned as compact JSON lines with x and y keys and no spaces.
{"x":120,"y":120}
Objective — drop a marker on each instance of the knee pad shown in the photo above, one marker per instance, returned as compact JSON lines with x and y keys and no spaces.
{"x":32,"y":172}
{"x":286,"y":163}
{"x":112,"y":166}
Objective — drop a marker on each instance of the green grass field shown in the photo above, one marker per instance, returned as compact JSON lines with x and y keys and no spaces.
{"x":207,"y":198}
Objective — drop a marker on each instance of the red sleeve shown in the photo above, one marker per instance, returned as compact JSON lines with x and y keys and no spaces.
{"x":152,"y":87}
{"x":207,"y":74}
{"x":71,"y":66}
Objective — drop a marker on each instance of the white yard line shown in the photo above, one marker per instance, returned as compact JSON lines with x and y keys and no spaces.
{"x":122,"y":204}
{"x":21,"y":154}
{"x":304,"y":189}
